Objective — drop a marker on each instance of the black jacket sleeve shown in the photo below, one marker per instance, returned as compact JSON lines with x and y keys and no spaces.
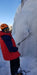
{"x":9,"y":44}
{"x":14,"y":49}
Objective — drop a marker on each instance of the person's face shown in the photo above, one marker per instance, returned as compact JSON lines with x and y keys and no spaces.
{"x":6,"y":30}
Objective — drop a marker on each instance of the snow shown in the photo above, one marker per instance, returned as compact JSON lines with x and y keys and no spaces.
{"x":4,"y":66}
{"x":25,"y":22}
{"x":29,"y":64}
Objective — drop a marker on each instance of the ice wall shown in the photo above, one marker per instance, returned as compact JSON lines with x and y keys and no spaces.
{"x":25,"y":22}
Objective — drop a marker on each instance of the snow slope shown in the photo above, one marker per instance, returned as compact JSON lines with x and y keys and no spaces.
{"x":25,"y":22}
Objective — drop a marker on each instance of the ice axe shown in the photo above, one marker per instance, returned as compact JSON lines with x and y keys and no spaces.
{"x":24,"y":39}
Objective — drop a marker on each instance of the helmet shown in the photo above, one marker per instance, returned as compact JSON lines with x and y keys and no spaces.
{"x":3,"y":26}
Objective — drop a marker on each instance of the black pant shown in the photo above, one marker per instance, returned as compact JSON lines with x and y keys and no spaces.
{"x":14,"y":65}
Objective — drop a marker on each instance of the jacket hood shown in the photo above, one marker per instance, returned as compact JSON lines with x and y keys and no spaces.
{"x":3,"y":33}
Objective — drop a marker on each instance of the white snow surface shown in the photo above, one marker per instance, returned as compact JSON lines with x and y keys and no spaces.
{"x":25,"y":22}
{"x":4,"y":66}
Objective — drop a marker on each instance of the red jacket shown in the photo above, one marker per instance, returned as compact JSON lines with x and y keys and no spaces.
{"x":6,"y":54}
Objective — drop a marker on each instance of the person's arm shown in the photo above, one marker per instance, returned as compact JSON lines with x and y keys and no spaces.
{"x":10,"y":43}
{"x":13,"y":49}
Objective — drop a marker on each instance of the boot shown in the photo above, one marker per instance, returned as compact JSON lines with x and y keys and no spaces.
{"x":19,"y":74}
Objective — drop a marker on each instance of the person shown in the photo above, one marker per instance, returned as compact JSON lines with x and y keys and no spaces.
{"x":9,"y":49}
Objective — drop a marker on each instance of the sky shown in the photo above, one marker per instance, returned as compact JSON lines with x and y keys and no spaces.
{"x":7,"y":10}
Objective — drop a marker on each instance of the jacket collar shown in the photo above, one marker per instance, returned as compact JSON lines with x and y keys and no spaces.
{"x":3,"y":33}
